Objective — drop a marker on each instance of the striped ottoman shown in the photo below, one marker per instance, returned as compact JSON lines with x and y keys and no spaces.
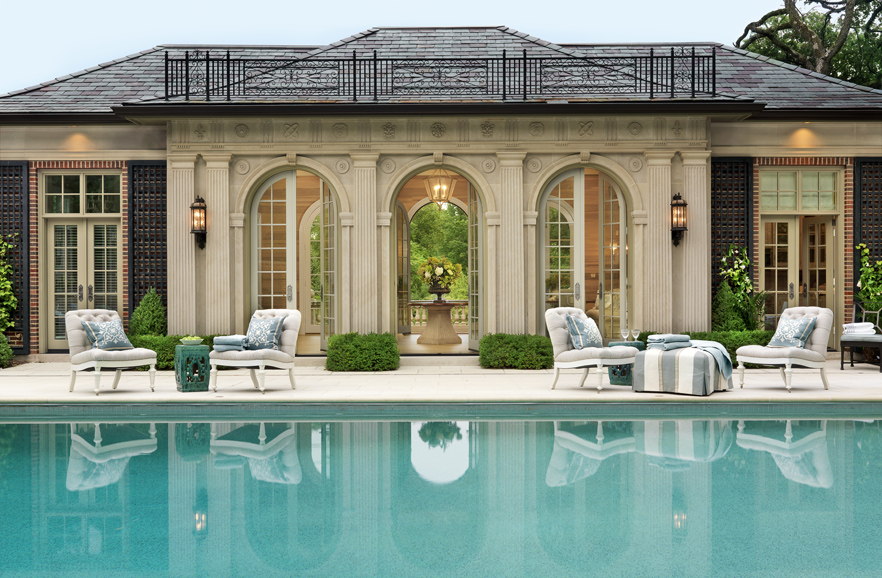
{"x":688,"y":371}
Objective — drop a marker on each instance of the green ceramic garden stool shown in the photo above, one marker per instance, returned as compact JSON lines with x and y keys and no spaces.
{"x":191,"y":367}
{"x":622,"y":374}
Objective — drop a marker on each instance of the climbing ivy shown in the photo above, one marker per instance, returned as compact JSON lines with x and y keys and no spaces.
{"x":8,"y":300}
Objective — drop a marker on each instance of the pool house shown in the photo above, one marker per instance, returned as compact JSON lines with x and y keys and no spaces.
{"x":607,"y":177}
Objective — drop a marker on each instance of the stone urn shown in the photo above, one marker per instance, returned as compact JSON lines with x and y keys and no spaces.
{"x":437,"y":290}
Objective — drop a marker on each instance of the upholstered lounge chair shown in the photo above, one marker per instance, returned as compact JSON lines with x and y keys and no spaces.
{"x":270,"y":451}
{"x":260,"y":359}
{"x":102,"y":461}
{"x":568,"y":357}
{"x":812,"y":356}
{"x":83,"y":356}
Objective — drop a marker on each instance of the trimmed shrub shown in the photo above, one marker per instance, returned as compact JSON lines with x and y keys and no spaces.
{"x":5,"y":352}
{"x":362,"y":352}
{"x":506,"y":351}
{"x":164,"y":346}
{"x":726,"y":315}
{"x":149,"y":317}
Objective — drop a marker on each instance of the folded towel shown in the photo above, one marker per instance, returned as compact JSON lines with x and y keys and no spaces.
{"x":668,"y":346}
{"x":667,"y":338}
{"x":721,"y":356}
{"x":240,"y":340}
{"x":859,"y":332}
{"x":229,"y":347}
{"x":857,"y":326}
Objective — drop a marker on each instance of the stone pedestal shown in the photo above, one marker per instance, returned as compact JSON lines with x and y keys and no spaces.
{"x":439,"y":328}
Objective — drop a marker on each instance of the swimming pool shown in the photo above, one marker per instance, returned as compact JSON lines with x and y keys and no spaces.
{"x":726,"y":496}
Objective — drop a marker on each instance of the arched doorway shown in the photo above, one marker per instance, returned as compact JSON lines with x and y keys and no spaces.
{"x":293,"y":248}
{"x":583,"y":248}
{"x":411,"y":198}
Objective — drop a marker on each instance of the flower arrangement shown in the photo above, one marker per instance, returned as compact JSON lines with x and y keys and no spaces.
{"x":439,"y":270}
{"x":870,"y":282}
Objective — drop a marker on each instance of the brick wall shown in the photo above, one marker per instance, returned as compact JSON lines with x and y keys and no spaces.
{"x":34,"y":212}
{"x":846,"y":228}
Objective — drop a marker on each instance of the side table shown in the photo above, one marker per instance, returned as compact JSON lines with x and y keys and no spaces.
{"x":623,"y":374}
{"x":191,"y":367}
{"x":852,"y":341}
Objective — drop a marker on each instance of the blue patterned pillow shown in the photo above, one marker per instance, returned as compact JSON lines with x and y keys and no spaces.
{"x":107,"y":335}
{"x":583,"y":332}
{"x":793,"y":332}
{"x":264,"y":333}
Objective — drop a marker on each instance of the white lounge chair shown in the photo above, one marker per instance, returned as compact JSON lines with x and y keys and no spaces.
{"x":83,"y":356}
{"x":260,"y":359}
{"x":813,"y":355}
{"x":568,"y":357}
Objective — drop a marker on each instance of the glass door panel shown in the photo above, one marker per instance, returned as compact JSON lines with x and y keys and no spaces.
{"x":67,"y":277}
{"x":103,"y":288}
{"x":475,"y":264}
{"x":328,"y":228}
{"x":273,"y":244}
{"x":564,"y":265}
{"x":817,"y":270}
{"x":402,"y":253}
{"x":780,"y":266}
{"x":612,"y":306}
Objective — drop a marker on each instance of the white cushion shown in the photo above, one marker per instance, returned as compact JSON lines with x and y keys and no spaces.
{"x":254,"y":355}
{"x":796,"y":353}
{"x":594,"y":353}
{"x":136,"y":354}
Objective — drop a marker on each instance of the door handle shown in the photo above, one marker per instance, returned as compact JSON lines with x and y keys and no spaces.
{"x":805,"y":290}
{"x":90,"y":293}
{"x":577,"y":291}
{"x":80,"y":293}
{"x":290,"y":293}
{"x":791,"y":291}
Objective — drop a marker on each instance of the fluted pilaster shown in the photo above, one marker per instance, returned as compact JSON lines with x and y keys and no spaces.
{"x":510,"y":289}
{"x":696,"y":243}
{"x":181,"y":248}
{"x":218,"y":318}
{"x":657,"y":313}
{"x":364,"y":258}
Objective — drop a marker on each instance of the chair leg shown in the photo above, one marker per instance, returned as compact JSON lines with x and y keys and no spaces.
{"x":553,"y":383}
{"x":97,"y":379}
{"x":254,"y":379}
{"x":213,"y":378}
{"x":116,"y":375}
{"x":783,"y":377}
{"x":824,"y":377}
{"x":152,"y":372}
{"x":261,"y":376}
{"x":73,"y":379}
{"x":584,"y":377}
{"x":291,"y":377}
{"x":741,"y":373}
{"x":788,"y":375}
{"x":599,"y":376}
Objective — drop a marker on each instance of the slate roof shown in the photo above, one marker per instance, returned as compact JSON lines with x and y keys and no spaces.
{"x":741,"y":75}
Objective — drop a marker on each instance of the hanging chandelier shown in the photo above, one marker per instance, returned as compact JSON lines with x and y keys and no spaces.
{"x":439,"y":187}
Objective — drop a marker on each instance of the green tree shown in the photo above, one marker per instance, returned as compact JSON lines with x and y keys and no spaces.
{"x":435,"y":233}
{"x":842,"y":38}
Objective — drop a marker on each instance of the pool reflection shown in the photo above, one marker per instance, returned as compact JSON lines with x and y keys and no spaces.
{"x":444,"y":498}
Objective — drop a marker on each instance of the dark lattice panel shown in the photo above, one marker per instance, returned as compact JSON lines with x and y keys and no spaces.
{"x":868,"y":206}
{"x":14,"y":229}
{"x":147,"y":231}
{"x":731,"y":209}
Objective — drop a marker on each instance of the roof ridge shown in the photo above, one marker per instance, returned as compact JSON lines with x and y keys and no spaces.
{"x":800,"y":69}
{"x":341,"y":42}
{"x":540,"y":42}
{"x":83,"y":72}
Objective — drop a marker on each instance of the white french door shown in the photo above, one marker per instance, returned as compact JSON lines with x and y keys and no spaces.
{"x":475,"y":266}
{"x":402,"y":252}
{"x":84,"y":270}
{"x":328,"y":249}
{"x":583,"y":248}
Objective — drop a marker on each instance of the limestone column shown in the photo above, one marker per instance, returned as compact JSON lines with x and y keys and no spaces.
{"x":387,"y":300}
{"x":491,"y":273}
{"x":218,"y":316}
{"x":181,"y":248}
{"x":658,"y":310}
{"x":364,"y":259}
{"x":240,"y":306}
{"x":511,"y":280}
{"x":530,"y":218}
{"x":344,"y":280}
{"x":696,"y":242}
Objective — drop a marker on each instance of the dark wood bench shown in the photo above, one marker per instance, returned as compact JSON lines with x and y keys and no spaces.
{"x":861,"y":315}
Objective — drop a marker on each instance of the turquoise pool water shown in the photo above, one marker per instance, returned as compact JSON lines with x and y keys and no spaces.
{"x":719,"y":497}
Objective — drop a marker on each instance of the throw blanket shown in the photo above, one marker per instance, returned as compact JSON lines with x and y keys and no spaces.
{"x":667,"y":338}
{"x":721,"y":356}
{"x":667,"y":345}
{"x":230,"y":343}
{"x":688,"y":370}
{"x":859,"y":329}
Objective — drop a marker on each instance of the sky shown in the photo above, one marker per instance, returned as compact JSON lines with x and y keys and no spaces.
{"x":45,"y":39}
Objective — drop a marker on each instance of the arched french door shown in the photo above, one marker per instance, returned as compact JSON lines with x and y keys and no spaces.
{"x":470,"y":202}
{"x":583,"y":245}
{"x":290,"y":211}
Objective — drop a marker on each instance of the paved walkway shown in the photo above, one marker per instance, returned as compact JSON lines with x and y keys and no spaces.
{"x":47,"y":383}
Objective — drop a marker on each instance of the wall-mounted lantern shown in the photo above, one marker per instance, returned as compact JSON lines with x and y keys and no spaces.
{"x":678,"y":218}
{"x":197,"y":221}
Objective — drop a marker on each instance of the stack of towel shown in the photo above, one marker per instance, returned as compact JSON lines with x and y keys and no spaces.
{"x":859,"y":329}
{"x":230,"y":343}
{"x":668,"y":341}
